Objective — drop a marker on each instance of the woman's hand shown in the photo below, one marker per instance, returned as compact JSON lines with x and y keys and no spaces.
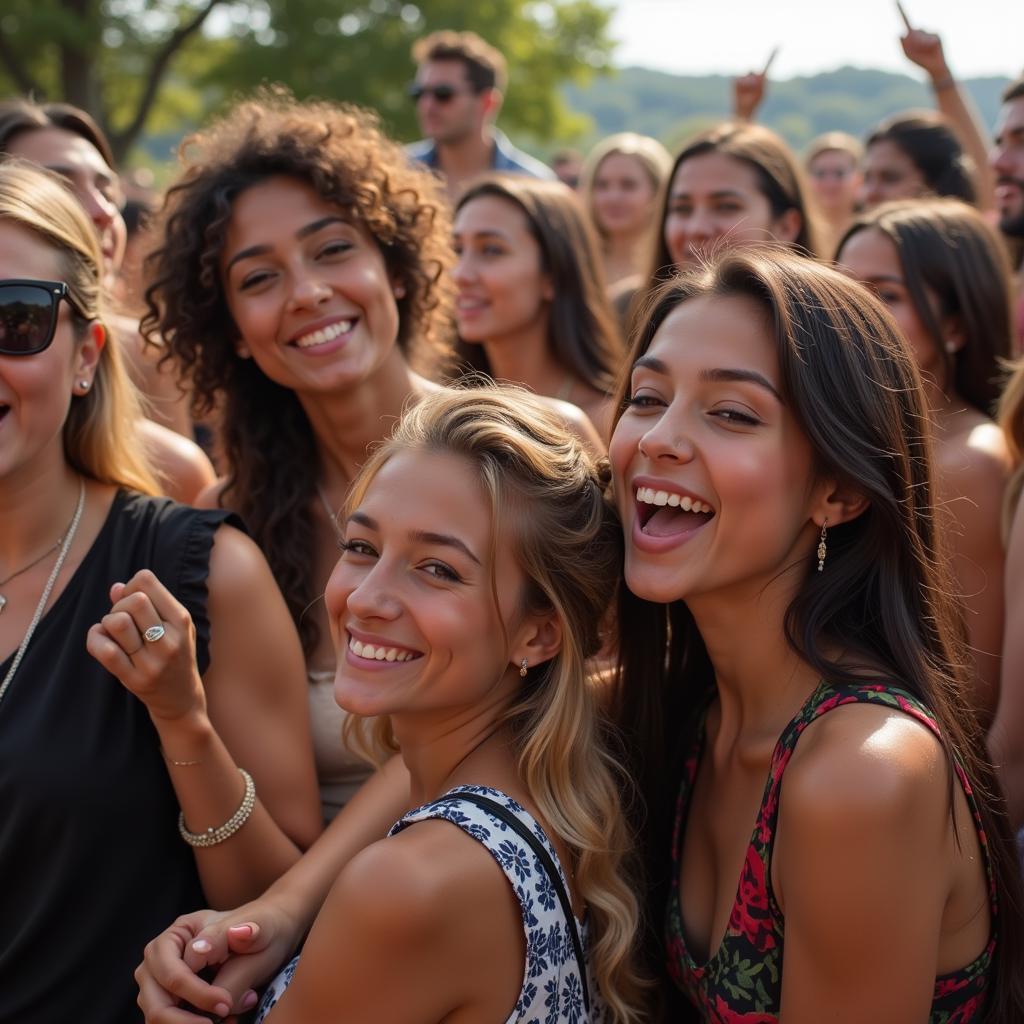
{"x":158,"y":667}
{"x":248,"y":945}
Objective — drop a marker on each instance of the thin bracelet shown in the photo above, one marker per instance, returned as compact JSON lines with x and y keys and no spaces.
{"x":177,"y":764}
{"x":213,"y":836}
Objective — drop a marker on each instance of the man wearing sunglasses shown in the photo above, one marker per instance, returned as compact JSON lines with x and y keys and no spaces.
{"x":458,"y":94}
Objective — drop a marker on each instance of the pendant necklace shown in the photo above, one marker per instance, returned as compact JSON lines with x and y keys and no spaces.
{"x":31,"y":565}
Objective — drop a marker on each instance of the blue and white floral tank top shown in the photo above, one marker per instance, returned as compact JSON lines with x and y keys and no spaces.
{"x":552,"y":990}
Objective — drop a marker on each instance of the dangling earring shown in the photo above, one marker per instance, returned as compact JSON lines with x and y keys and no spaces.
{"x":822,"y":548}
{"x":523,"y":667}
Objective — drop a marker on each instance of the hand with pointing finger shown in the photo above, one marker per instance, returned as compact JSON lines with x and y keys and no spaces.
{"x":923,"y":49}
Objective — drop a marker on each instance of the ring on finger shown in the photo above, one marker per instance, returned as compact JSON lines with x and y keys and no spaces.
{"x":153,"y":634}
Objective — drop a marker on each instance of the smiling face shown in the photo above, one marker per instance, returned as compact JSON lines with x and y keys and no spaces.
{"x":714,"y":199}
{"x":308,"y":289}
{"x":871,"y":257}
{"x":503,"y":290}
{"x":624,"y":195}
{"x":95,"y":184}
{"x":705,"y":423}
{"x":411,"y":603}
{"x":889,"y":174}
{"x":36,"y":390}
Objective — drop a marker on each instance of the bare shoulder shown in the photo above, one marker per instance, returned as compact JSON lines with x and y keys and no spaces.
{"x":864,"y":763}
{"x":212,"y":496}
{"x":183,"y":466}
{"x":577,"y":421}
{"x":236,"y":565}
{"x":976,"y":453}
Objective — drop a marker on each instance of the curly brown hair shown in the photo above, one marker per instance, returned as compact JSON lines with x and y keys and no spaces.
{"x":342,"y":153}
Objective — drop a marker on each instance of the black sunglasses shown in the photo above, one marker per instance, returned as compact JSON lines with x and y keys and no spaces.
{"x":28,"y":314}
{"x":441,"y":93}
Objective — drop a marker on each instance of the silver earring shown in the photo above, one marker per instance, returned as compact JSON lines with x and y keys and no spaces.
{"x":523,"y":667}
{"x":822,"y":547}
{"x":84,"y":385}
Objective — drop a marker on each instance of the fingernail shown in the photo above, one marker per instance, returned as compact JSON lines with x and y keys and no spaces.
{"x":222,"y":1009}
{"x":244,"y":931}
{"x":249,"y":1000}
{"x":202,"y":946}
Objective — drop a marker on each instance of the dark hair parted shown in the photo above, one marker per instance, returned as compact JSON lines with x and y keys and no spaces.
{"x":22,"y":115}
{"x":582,"y":331}
{"x":932,"y":147}
{"x":886,"y":607}
{"x":485,"y":66}
{"x":776,"y":169}
{"x":341,"y":152}
{"x":945,"y":247}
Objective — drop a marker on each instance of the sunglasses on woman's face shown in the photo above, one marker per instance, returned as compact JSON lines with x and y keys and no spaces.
{"x":28,"y":314}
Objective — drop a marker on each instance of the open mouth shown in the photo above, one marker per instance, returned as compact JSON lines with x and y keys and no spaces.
{"x":380,"y":652}
{"x":667,"y":513}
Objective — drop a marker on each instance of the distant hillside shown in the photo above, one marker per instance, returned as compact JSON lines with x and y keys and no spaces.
{"x":672,"y":107}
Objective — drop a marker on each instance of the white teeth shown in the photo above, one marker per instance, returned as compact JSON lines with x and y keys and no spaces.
{"x":649,"y":496}
{"x":372,"y":653}
{"x":325,"y":334}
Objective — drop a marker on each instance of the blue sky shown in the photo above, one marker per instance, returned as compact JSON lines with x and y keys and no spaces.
{"x":980,"y":37}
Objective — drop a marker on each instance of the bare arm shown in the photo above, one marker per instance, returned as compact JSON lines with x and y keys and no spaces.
{"x":249,"y":944}
{"x":862,"y":860}
{"x":1006,"y":740}
{"x":248,"y":712}
{"x":925,"y":50}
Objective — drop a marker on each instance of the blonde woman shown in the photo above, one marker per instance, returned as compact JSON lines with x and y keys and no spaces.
{"x":102,"y":772}
{"x":623,"y":177}
{"x":478,"y":558}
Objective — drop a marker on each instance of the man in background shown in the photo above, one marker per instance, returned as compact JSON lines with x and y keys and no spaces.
{"x":1008,"y":164}
{"x":458,"y":91}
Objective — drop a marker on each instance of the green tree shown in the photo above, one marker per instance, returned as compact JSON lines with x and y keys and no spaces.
{"x":141,"y":65}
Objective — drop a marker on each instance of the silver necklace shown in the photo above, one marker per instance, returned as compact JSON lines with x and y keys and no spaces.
{"x":47,"y":590}
{"x":331,"y":515}
{"x":31,"y":565}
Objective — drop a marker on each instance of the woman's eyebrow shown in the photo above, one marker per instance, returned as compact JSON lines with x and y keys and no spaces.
{"x":727,"y":375}
{"x":423,"y":536}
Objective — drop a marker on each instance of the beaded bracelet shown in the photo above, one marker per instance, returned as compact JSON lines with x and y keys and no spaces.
{"x":213,"y":836}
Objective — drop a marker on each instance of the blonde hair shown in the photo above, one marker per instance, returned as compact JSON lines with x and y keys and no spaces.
{"x":100,"y":432}
{"x":547,"y":498}
{"x":649,"y":153}
{"x":834,"y":142}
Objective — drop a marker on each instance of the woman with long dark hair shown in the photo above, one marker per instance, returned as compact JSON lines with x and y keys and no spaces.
{"x":530,"y":306}
{"x":943,"y":273}
{"x":792,"y":684}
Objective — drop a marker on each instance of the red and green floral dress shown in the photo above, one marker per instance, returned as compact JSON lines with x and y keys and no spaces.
{"x":742,"y":982}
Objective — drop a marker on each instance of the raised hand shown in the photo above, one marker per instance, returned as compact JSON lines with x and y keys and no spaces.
{"x":923,"y":48}
{"x":748,"y":90}
{"x":147,"y":640}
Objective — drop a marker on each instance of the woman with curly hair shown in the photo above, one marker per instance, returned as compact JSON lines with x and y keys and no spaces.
{"x":300,"y":283}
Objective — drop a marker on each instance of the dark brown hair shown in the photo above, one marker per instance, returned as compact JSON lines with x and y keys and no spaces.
{"x":22,"y":115}
{"x":341,"y":152}
{"x":779,"y":179}
{"x":932,"y":147}
{"x":947,"y":248}
{"x":582,"y":332}
{"x":485,"y":66}
{"x":887,"y":602}
{"x":1014,"y":91}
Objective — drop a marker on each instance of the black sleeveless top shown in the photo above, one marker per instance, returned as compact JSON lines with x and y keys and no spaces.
{"x":91,"y":863}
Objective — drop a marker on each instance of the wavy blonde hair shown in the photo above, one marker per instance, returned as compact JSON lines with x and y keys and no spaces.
{"x":101,"y":430}
{"x":547,"y":498}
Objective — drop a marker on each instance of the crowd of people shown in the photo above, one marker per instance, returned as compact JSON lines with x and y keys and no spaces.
{"x":425,"y":574}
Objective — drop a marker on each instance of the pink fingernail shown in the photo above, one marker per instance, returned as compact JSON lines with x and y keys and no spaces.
{"x":222,"y":1009}
{"x":202,"y":946}
{"x":245,"y":931}
{"x":249,"y":1000}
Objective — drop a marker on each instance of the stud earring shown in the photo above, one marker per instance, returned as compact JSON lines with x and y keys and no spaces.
{"x":822,"y":547}
{"x":523,"y":667}
{"x":950,"y":347}
{"x":84,"y":384}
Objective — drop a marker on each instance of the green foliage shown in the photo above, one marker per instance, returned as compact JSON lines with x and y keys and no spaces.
{"x":674,"y":107}
{"x":104,"y":55}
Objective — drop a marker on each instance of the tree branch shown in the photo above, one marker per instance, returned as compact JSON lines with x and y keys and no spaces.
{"x":22,"y":79}
{"x":122,"y":141}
